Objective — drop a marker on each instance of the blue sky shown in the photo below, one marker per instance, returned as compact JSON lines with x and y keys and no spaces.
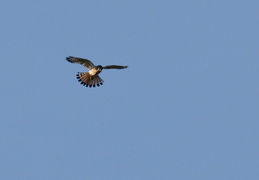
{"x":186,"y":108}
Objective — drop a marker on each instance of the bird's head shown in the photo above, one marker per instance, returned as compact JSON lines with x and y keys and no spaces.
{"x":99,"y":68}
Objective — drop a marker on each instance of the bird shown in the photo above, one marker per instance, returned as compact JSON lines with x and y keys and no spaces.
{"x":91,"y":78}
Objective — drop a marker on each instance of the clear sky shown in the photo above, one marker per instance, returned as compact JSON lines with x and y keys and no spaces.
{"x":185,"y":109}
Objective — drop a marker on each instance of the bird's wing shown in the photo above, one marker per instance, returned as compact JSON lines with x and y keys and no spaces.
{"x":85,"y":62}
{"x":114,"y":67}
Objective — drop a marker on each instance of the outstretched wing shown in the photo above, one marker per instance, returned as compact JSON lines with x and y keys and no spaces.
{"x":85,"y":62}
{"x":114,"y":67}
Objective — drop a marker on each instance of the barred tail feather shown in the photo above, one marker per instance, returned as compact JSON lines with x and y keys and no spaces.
{"x":89,"y":81}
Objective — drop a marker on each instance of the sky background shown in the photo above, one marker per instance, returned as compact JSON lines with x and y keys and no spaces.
{"x":185,"y":109}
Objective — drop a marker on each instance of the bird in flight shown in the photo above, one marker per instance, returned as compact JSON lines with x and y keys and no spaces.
{"x":91,"y":78}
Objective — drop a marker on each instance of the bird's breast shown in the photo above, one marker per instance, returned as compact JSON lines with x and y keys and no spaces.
{"x":93,"y":72}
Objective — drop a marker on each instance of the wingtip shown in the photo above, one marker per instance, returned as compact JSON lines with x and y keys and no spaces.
{"x":69,"y":58}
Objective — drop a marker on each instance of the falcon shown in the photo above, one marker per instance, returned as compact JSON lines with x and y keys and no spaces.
{"x":91,"y":78}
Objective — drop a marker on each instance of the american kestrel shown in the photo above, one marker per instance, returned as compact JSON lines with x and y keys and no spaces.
{"x":91,"y":77}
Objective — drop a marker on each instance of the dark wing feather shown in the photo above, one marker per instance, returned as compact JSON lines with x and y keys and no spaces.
{"x":85,"y":62}
{"x":114,"y":67}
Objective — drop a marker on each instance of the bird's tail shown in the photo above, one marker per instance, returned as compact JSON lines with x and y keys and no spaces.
{"x":87,"y":80}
